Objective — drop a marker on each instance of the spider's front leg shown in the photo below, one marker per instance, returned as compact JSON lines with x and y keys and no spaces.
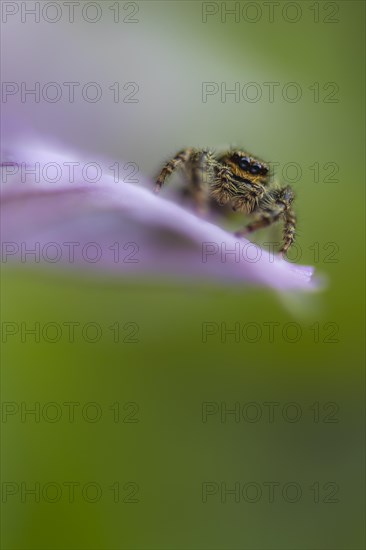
{"x":178,"y":161}
{"x":274,"y":205}
{"x":288,"y":231}
{"x":222,"y":187}
{"x":203,"y":165}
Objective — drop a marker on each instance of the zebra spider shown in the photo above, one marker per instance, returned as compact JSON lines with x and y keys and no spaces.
{"x":240,"y":180}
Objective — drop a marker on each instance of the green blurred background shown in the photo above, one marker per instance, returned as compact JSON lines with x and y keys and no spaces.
{"x":163,"y":380}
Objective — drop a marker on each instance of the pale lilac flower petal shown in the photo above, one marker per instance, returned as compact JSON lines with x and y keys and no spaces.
{"x":153,"y":236}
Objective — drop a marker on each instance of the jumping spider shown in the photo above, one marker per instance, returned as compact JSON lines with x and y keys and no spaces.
{"x":240,"y":180}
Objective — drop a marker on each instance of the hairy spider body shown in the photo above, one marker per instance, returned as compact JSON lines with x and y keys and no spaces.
{"x":240,"y":180}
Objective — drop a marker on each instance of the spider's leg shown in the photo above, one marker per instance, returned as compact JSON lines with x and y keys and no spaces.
{"x":247,"y":198}
{"x":202,"y":174}
{"x":222,"y":186}
{"x":267,"y":212}
{"x":276,"y":204}
{"x":288,"y":231}
{"x":260,"y":221}
{"x":178,"y":161}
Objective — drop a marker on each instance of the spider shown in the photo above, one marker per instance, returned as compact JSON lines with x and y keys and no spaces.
{"x":240,"y":180}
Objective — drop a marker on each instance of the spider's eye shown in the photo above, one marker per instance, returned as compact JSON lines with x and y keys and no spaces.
{"x":244,"y":163}
{"x":255,"y":169}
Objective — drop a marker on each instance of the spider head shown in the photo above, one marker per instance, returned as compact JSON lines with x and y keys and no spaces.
{"x":247,"y":167}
